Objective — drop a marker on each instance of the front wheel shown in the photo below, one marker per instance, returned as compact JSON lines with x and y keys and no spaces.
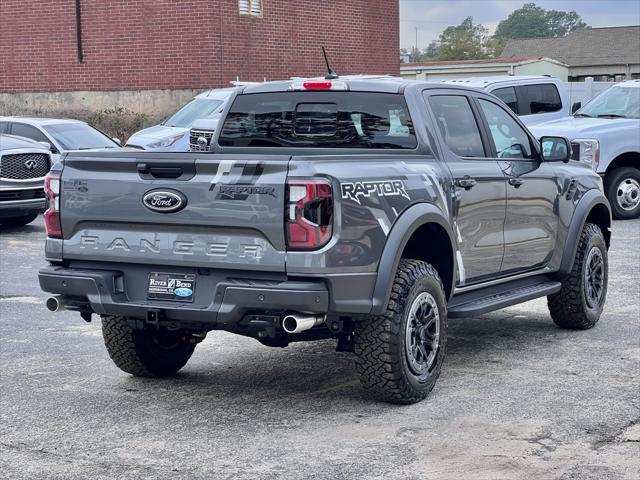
{"x":149,"y":352}
{"x":399,"y":354}
{"x":579,"y":303}
{"x":623,"y":192}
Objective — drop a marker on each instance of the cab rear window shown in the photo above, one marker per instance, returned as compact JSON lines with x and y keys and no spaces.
{"x":319,"y":120}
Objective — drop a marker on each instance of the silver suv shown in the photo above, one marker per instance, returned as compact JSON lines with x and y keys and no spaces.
{"x":23,"y":166}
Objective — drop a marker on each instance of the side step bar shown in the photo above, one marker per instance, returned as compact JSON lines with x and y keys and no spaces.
{"x":493,"y":298}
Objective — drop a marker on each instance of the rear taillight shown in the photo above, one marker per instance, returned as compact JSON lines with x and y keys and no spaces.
{"x":52,"y":215}
{"x":309,"y":215}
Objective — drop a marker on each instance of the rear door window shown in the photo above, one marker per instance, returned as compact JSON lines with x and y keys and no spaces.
{"x":508,"y":96}
{"x":458,"y":125}
{"x":319,"y":120}
{"x":540,"y":98}
{"x":27,"y":131}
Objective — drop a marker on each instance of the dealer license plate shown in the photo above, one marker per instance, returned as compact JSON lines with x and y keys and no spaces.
{"x":176,"y":287}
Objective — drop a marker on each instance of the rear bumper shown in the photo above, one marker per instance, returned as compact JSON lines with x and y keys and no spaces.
{"x":18,"y":208}
{"x":104,"y":293}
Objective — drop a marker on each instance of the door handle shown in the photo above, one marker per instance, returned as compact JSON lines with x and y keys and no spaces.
{"x":149,"y":172}
{"x":516,"y":182}
{"x":466,"y":182}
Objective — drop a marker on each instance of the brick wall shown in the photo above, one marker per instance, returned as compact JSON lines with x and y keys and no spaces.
{"x":166,"y":44}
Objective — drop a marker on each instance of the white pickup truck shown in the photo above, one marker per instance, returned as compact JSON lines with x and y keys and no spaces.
{"x":535,"y":99}
{"x":605,"y":134}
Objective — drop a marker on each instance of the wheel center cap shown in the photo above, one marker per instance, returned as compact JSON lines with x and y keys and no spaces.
{"x":629,"y":194}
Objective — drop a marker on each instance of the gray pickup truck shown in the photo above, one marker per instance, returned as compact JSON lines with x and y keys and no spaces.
{"x":369,"y":211}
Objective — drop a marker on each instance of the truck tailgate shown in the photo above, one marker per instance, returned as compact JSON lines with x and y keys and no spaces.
{"x":211,"y":211}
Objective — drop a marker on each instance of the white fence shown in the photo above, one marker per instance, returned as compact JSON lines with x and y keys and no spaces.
{"x":585,"y":91}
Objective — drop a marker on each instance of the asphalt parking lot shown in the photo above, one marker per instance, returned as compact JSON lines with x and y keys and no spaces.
{"x":518,"y":398}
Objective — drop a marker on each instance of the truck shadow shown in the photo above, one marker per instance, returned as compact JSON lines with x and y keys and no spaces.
{"x":23,"y":229}
{"x":313,"y":375}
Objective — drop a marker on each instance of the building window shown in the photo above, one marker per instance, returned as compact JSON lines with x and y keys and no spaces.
{"x":250,"y":7}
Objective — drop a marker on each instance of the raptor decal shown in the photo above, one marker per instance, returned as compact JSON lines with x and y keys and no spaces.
{"x":237,"y":180}
{"x":356,"y":191}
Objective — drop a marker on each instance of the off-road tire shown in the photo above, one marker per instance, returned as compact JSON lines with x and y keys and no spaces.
{"x":137,"y":351}
{"x":19,"y":221}
{"x":381,"y":359}
{"x":612,"y":183}
{"x":569,"y":307}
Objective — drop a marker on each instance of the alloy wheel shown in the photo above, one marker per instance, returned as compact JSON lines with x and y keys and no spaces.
{"x":594,"y":278}
{"x":422,"y":334}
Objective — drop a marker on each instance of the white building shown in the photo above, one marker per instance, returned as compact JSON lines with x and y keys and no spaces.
{"x":450,"y":69}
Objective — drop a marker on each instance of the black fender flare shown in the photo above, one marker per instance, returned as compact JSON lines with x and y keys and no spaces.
{"x":404,"y":226}
{"x":590,"y":199}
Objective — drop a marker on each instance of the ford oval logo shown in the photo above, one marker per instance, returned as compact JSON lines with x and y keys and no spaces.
{"x":164,"y":201}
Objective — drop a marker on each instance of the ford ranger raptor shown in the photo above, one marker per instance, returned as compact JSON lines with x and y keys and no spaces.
{"x":370,"y":211}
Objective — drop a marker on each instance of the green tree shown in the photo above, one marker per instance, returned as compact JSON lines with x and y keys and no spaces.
{"x":494,"y":46}
{"x":429,"y":53}
{"x":532,"y":21}
{"x":462,"y":42}
{"x":563,"y":23}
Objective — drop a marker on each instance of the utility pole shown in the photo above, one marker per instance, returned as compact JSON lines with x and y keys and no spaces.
{"x":415,"y":59}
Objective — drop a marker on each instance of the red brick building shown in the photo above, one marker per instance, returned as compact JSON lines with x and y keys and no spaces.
{"x":188,"y":44}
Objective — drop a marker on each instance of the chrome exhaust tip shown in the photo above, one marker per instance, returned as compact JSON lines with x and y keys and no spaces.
{"x":298,"y":323}
{"x":54,"y":304}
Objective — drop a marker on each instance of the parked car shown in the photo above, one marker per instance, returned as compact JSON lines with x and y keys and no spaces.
{"x":172,"y":135}
{"x":383,"y":207}
{"x":605,"y":134}
{"x":58,"y":135}
{"x":202,"y":132}
{"x":23,"y":166}
{"x":535,"y":99}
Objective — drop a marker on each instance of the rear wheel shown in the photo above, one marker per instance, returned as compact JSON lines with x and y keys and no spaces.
{"x":579,"y":303}
{"x":623,"y":192}
{"x":19,"y":221}
{"x":150,"y":352}
{"x":399,"y":354}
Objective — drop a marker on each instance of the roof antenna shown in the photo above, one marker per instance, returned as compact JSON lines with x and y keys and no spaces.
{"x":332,"y":74}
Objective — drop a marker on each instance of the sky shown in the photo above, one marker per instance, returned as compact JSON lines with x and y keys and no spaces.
{"x":431,"y":17}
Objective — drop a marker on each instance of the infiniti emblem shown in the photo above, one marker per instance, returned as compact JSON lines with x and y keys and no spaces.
{"x":30,"y":164}
{"x":164,"y":200}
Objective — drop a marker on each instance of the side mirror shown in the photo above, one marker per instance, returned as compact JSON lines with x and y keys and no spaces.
{"x":555,"y":149}
{"x":117,"y":140}
{"x":49,"y":147}
{"x":575,"y":107}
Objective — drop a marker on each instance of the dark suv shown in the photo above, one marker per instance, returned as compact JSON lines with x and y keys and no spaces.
{"x":379,"y":209}
{"x":23,"y":166}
